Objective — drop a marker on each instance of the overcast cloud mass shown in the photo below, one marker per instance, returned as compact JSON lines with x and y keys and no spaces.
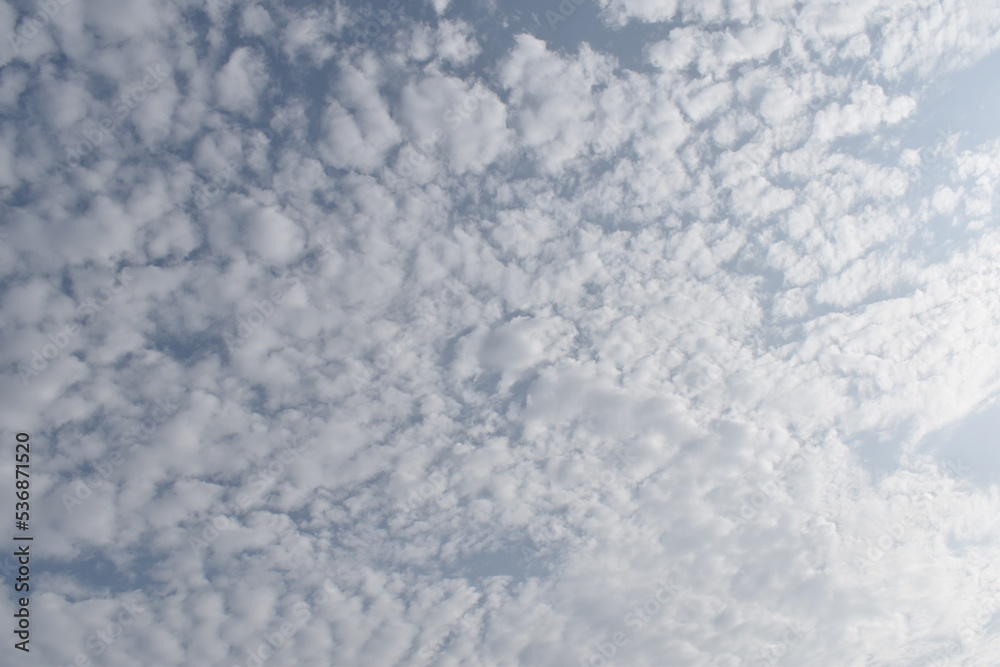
{"x":424,"y":332}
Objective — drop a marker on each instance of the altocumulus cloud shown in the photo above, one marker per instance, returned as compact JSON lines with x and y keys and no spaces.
{"x":606,"y":332}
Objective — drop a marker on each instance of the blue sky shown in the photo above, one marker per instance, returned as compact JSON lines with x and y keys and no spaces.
{"x":627,"y":332}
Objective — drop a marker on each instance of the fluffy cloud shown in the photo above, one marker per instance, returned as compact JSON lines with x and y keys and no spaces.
{"x":401,"y":334}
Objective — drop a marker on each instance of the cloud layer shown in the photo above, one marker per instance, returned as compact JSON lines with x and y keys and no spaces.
{"x":400,"y":334}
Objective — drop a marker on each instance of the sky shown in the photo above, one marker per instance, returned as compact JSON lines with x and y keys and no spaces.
{"x":584,"y":333}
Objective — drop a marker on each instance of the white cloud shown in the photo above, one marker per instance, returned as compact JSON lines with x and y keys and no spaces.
{"x":358,"y":135}
{"x":546,"y":321}
{"x":466,"y":123}
{"x":620,"y":11}
{"x":457,"y":43}
{"x":548,"y":106}
{"x":440,"y":5}
{"x":255,"y":20}
{"x":241,"y":81}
